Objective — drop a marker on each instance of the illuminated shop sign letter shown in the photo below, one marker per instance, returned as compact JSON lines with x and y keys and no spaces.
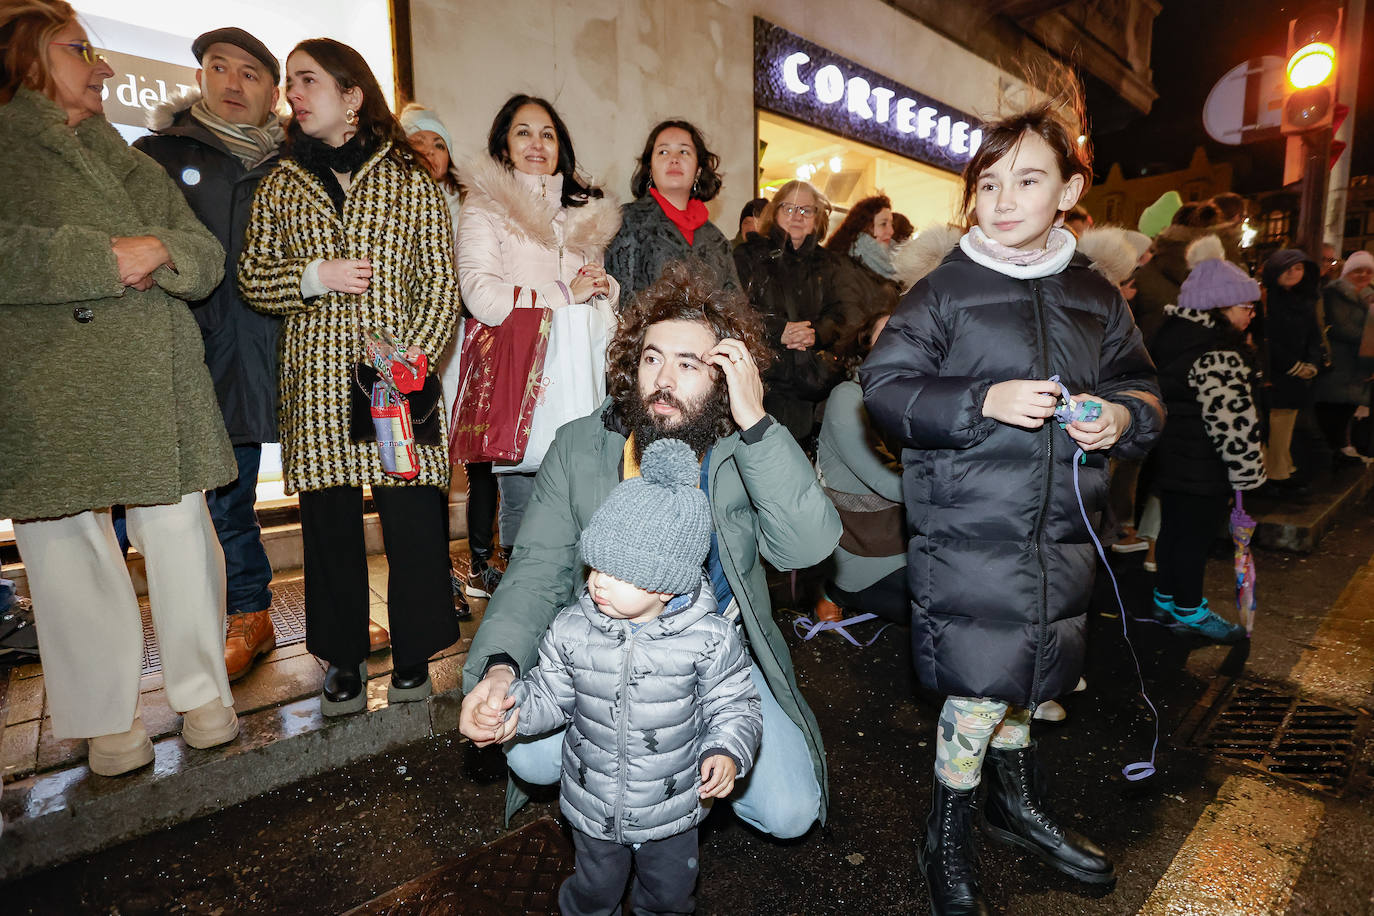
{"x":852,"y":100}
{"x":857,"y":95}
{"x":829,"y":84}
{"x":906,"y":115}
{"x":883,"y":99}
{"x":790,"y":65}
{"x":925,"y":122}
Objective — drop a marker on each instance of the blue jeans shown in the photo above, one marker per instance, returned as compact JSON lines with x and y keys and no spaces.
{"x":780,"y":796}
{"x":246,"y":568}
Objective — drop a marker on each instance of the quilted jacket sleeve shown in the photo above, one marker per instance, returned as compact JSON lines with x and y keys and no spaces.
{"x":1222,"y":383}
{"x":730,"y":702}
{"x":545,"y":694}
{"x":1126,"y":376}
{"x":903,"y":390}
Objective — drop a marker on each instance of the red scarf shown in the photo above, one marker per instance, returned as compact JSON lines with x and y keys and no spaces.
{"x":687,"y":221}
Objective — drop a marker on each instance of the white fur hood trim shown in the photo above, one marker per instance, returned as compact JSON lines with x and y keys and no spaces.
{"x":1111,"y":254}
{"x":587,"y":230}
{"x":915,"y":258}
{"x":161,"y":115}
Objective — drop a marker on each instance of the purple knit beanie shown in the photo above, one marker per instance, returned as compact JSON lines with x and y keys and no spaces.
{"x":1214,"y":282}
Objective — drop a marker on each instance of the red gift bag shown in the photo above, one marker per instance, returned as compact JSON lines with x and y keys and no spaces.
{"x":500,"y":370}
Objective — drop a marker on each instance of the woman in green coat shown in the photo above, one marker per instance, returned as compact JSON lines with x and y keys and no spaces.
{"x":107,"y":400}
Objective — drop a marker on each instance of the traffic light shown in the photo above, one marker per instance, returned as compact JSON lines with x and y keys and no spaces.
{"x":1309,"y":92}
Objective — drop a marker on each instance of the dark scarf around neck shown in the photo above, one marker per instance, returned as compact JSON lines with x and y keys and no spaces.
{"x":322,"y":160}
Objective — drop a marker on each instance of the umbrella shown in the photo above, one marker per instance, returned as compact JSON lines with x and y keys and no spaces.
{"x":1242,"y":530}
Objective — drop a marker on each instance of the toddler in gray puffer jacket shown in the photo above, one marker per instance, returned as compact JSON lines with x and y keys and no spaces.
{"x":654,"y":687}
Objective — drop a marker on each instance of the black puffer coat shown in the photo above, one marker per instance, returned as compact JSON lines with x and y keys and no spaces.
{"x":240,"y":344}
{"x":788,"y":284}
{"x":1000,"y":563}
{"x":648,"y":240}
{"x":1290,"y":328}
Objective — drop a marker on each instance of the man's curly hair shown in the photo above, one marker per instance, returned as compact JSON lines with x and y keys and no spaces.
{"x":682,"y":294}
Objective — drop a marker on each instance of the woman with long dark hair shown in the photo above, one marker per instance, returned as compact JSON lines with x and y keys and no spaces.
{"x":531,"y":235}
{"x":864,"y":242}
{"x":674,"y":179}
{"x":349,"y":236}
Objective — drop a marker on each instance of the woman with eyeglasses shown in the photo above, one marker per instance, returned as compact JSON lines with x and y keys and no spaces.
{"x":800,"y":288}
{"x":675,"y":178}
{"x":106,"y":400}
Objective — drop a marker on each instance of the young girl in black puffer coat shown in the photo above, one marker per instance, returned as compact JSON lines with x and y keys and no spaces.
{"x":1000,"y":560}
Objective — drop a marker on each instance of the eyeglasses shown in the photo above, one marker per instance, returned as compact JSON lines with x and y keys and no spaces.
{"x":84,"y":48}
{"x":789,"y":209}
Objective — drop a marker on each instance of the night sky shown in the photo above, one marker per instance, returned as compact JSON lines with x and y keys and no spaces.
{"x":1195,"y":43}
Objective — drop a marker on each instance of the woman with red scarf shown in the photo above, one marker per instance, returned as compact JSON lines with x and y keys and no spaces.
{"x":667,"y":221}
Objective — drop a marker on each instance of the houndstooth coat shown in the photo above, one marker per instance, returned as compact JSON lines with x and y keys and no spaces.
{"x":398,"y":219}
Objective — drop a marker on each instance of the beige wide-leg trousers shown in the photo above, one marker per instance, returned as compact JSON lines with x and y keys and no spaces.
{"x":90,"y":636}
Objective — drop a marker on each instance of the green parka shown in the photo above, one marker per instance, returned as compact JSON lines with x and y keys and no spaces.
{"x":106,"y":398}
{"x":765,"y":502}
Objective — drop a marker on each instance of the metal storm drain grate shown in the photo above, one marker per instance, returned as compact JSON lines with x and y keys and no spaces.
{"x":517,"y":875}
{"x":1284,"y":735}
{"x":288,"y":619}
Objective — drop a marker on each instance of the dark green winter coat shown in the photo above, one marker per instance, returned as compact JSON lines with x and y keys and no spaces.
{"x":106,"y":398}
{"x":766,"y":504}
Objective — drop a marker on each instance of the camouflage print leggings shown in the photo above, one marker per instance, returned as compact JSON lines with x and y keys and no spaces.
{"x":967,"y":726}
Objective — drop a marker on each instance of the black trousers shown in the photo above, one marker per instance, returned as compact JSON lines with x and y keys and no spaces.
{"x":419,"y":593}
{"x":1188,"y":525}
{"x":481,"y":508}
{"x":1334,"y":420}
{"x":889,"y":597}
{"x":665,"y":876}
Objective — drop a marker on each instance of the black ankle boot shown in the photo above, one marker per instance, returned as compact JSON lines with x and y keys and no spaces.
{"x":408,"y":676}
{"x":344,"y":690}
{"x":1014,"y":814}
{"x":946,"y":857}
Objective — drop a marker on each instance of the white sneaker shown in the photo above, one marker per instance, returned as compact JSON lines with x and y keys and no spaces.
{"x":1081,"y":686}
{"x":209,"y":724}
{"x":1050,"y":711}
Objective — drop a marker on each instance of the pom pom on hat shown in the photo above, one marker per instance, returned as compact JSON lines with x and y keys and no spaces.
{"x":654,"y":530}
{"x":1214,"y":282}
{"x":1207,"y":248}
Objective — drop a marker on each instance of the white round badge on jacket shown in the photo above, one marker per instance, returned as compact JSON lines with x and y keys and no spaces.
{"x":190,"y":176}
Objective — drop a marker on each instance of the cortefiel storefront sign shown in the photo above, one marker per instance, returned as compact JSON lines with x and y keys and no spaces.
{"x":802,"y":80}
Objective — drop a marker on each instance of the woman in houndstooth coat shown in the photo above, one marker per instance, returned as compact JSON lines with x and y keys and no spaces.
{"x":349,"y":233}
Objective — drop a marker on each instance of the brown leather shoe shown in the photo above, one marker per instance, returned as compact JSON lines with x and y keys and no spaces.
{"x":377,"y":637}
{"x":250,"y":635}
{"x":828,"y":611}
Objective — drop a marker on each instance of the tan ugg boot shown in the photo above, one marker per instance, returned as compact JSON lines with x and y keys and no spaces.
{"x":114,"y":755}
{"x":209,"y":724}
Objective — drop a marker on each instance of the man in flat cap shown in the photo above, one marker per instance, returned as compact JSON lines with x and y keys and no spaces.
{"x":217,"y":142}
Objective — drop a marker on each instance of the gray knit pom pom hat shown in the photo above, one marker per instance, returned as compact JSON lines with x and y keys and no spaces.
{"x":654,"y":530}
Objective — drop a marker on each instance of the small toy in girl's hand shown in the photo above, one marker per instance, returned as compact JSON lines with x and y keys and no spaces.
{"x":1071,"y":411}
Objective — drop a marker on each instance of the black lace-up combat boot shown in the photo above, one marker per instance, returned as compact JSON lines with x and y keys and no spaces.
{"x":946,"y":857}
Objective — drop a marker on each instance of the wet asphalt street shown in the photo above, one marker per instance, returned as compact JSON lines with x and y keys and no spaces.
{"x":335,"y":842}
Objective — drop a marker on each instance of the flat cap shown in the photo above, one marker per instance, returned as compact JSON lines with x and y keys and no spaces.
{"x":239,"y":39}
